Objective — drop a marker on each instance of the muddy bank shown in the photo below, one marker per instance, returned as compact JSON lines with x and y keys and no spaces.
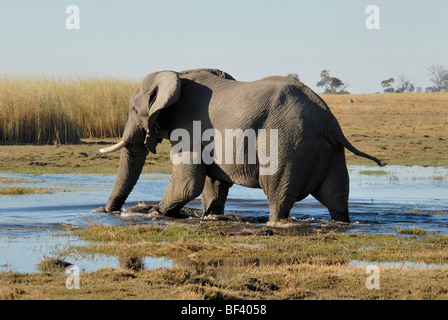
{"x":234,"y":224}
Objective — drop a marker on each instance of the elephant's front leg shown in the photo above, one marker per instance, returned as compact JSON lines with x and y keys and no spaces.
{"x":214,"y":196}
{"x":132,"y":161}
{"x":187,"y":182}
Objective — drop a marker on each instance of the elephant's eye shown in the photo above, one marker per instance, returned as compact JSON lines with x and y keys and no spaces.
{"x":132,"y":109}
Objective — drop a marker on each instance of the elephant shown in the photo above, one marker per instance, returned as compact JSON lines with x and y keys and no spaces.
{"x":309,"y":150}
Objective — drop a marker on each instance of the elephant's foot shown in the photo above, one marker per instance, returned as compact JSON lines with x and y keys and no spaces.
{"x":340,"y":215}
{"x":177,"y":214}
{"x":99,"y":210}
{"x":213,"y":211}
{"x":281,"y":223}
{"x":342,"y":218}
{"x":112,"y":209}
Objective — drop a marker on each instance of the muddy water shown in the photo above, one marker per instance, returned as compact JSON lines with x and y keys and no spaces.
{"x":381,"y":201}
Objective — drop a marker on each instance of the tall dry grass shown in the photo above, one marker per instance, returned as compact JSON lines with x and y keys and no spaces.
{"x":49,"y":110}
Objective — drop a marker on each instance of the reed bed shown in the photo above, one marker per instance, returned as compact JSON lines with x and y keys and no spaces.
{"x":48,"y":110}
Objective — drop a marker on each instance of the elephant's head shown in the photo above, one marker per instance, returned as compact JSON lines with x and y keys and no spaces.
{"x":156,"y":91}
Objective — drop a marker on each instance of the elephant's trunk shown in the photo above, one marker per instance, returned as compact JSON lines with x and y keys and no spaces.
{"x":131,"y":164}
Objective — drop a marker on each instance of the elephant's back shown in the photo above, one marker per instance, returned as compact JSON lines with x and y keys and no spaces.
{"x":276,"y":102}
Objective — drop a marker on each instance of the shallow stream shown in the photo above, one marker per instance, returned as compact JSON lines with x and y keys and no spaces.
{"x":381,"y":202}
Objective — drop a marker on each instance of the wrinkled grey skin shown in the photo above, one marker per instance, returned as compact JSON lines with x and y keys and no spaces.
{"x":311,"y":148}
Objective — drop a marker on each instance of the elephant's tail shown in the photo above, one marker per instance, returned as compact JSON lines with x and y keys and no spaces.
{"x":343,"y":141}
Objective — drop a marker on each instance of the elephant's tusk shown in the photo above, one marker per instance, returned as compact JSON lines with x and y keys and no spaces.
{"x":114,"y":148}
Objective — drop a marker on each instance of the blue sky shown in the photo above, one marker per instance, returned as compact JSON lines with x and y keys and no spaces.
{"x":248,"y":39}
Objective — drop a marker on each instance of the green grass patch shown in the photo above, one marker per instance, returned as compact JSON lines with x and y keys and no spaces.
{"x":206,"y":243}
{"x":49,"y":264}
{"x":24,"y":190}
{"x":373,"y":172}
{"x":6,"y":180}
{"x":209,"y":264}
{"x":412,"y":231}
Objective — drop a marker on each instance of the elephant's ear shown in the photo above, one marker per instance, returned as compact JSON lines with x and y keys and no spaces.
{"x":165,"y":91}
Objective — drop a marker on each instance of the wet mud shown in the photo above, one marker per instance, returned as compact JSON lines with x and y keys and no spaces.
{"x":230,"y":224}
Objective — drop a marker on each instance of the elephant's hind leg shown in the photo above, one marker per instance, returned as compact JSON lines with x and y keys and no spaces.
{"x":187,"y":182}
{"x":214,"y":196}
{"x":334,"y":189}
{"x":281,"y":196}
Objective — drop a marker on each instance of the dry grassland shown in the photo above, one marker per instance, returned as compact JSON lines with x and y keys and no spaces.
{"x":406,"y":129}
{"x":400,"y":128}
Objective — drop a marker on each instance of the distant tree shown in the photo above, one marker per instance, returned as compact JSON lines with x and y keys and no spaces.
{"x":332,"y":84}
{"x":294,"y":76}
{"x":388,"y":85}
{"x":404,"y":85}
{"x":439,"y":77}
